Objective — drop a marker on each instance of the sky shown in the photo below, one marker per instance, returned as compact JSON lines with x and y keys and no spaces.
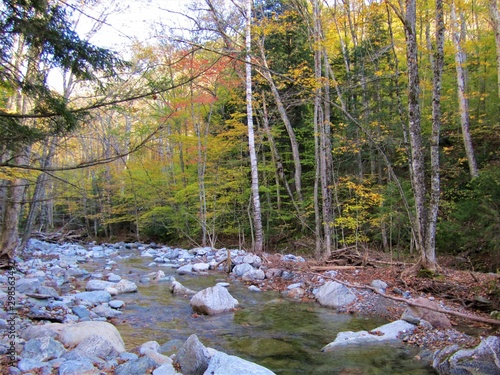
{"x":135,"y":21}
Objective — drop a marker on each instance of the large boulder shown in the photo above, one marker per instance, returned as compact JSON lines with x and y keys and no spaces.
{"x":224,"y":364}
{"x":213,"y":300}
{"x":387,"y":333}
{"x":73,"y":334}
{"x":335,"y":295}
{"x":415,"y":314}
{"x":192,"y":357}
{"x":484,"y":359}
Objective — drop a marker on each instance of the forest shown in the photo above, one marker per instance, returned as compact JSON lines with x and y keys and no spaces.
{"x":300,"y":126}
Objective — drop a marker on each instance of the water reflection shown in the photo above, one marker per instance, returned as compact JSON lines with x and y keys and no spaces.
{"x":282,"y":335}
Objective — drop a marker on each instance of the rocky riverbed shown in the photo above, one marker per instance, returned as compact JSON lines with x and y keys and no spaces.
{"x":57,"y":315}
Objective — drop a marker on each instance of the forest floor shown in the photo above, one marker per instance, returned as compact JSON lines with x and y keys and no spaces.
{"x":471,"y":294}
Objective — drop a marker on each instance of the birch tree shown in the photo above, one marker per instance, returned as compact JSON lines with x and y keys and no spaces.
{"x":257,"y":217}
{"x":463,"y":100}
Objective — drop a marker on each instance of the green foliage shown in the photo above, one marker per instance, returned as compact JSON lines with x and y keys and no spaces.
{"x":472,"y":225}
{"x":158,"y":223}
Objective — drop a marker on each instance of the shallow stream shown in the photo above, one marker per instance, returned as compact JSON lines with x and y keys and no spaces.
{"x":283,"y":335}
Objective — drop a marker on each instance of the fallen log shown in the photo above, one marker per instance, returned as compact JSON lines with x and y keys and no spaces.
{"x":474,"y":318}
{"x":332,"y":268}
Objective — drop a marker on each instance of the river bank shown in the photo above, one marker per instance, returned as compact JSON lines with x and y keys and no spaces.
{"x":53,"y":276}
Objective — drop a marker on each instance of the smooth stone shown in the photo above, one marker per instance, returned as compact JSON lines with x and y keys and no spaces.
{"x":186,"y":269}
{"x":200,"y":267}
{"x":95,"y":345}
{"x":177,"y":288}
{"x":224,"y":364}
{"x":213,"y":300}
{"x":113,"y":277}
{"x":116,"y":304}
{"x":165,"y":369}
{"x":334,"y":294}
{"x":254,"y":274}
{"x":241,"y":269}
{"x":72,"y":334}
{"x":99,"y":285}
{"x":105,"y":311}
{"x":95,"y":297}
{"x":382,"y":335}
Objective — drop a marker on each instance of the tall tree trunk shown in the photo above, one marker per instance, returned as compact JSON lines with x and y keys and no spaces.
{"x":15,"y":188}
{"x":495,"y":18}
{"x":257,"y":217}
{"x":438,"y":64}
{"x":417,"y":166}
{"x":463,"y":100}
{"x":321,"y":125}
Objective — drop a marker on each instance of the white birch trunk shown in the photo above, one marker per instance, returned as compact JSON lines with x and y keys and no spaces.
{"x":257,"y":217}
{"x":460,"y":64}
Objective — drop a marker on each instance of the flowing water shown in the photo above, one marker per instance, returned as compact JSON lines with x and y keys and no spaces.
{"x":283,"y":335}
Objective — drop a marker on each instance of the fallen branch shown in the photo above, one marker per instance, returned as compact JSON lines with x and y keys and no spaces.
{"x":330,"y":268}
{"x":412,"y":303}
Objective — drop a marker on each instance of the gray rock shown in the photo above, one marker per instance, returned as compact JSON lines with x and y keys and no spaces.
{"x":177,"y":288}
{"x":159,"y":359}
{"x":105,"y":311}
{"x":252,"y":259}
{"x":224,"y":364}
{"x":125,"y":286}
{"x":126,"y":356}
{"x":241,"y":269}
{"x":186,"y":269}
{"x":254,"y":274}
{"x":113,"y":277}
{"x":94,"y":298}
{"x":142,"y":365}
{"x":27,"y":285}
{"x":165,"y":369}
{"x":380,"y":285}
{"x":96,"y":345}
{"x":334,"y":294}
{"x":81,"y":311}
{"x":484,"y":359}
{"x":387,"y":333}
{"x":193,"y":357}
{"x":99,"y":285}
{"x":73,"y":367}
{"x":213,"y":300}
{"x":116,"y":304}
{"x":72,"y":334}
{"x":200,"y":267}
{"x":28,"y":364}
{"x":151,"y":345}
{"x":43,"y":349}
{"x":254,"y":288}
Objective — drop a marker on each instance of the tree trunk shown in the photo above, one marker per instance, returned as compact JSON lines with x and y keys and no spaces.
{"x":417,"y":166}
{"x":463,"y":100}
{"x":495,"y":18}
{"x":438,"y":64}
{"x":257,"y":217}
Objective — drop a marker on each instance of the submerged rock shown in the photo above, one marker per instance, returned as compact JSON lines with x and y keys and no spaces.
{"x":382,"y":335}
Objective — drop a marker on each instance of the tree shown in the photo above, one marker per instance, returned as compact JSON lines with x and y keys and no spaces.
{"x":36,"y":36}
{"x":259,"y":239}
